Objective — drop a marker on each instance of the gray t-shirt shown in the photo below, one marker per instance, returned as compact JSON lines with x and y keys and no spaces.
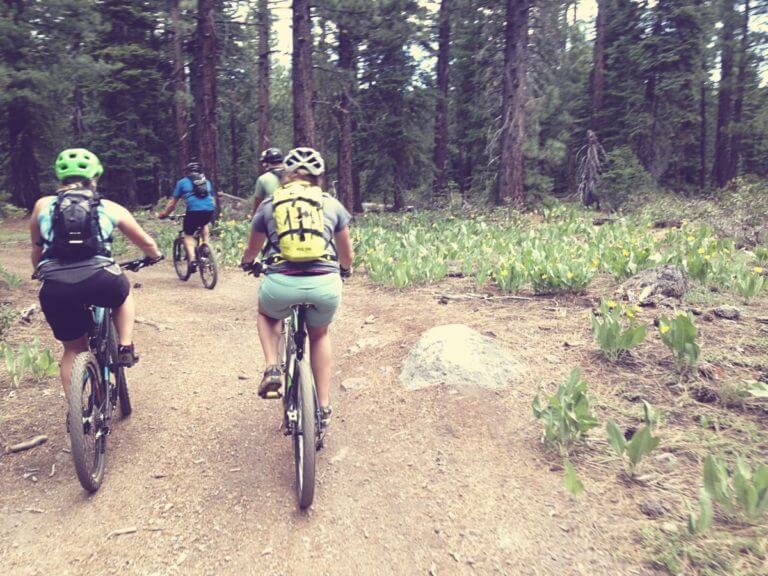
{"x":336,"y":219}
{"x":267,"y":183}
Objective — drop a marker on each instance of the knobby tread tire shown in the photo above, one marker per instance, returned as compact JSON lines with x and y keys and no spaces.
{"x":180,"y":261}
{"x":89,"y":467}
{"x":209,"y":274}
{"x":119,"y":372}
{"x":305,"y":443}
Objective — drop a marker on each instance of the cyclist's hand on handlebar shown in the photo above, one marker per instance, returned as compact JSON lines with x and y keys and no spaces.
{"x":150,"y":260}
{"x":345,"y":272}
{"x":162,"y":216}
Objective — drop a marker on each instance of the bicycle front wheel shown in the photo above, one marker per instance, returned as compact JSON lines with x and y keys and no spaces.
{"x":209,"y":274}
{"x":121,"y":382}
{"x":304,"y":446}
{"x":180,"y":260}
{"x":86,"y":404}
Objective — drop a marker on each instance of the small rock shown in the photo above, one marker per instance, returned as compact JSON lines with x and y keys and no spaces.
{"x":669,"y":528}
{"x":653,"y":508}
{"x":243,"y":377}
{"x":353,"y":384}
{"x":137,"y":285}
{"x":370,"y":320}
{"x":266,"y":552}
{"x":727,"y":312}
{"x":552,"y":359}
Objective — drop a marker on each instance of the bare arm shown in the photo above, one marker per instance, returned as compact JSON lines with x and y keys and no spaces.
{"x":255,"y":244}
{"x":170,"y":207}
{"x":34,"y":233}
{"x":257,"y":200}
{"x":135,"y":233}
{"x":344,"y":248}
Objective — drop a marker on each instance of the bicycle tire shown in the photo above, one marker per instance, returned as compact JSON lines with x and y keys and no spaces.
{"x":209,"y":273}
{"x":85,"y":421}
{"x":180,"y":260}
{"x":304,"y":446}
{"x":121,"y":381}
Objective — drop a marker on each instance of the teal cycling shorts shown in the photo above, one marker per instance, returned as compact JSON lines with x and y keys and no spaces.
{"x":278,"y":292}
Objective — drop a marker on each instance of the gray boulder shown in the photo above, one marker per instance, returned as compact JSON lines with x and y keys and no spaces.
{"x":661,"y":285}
{"x":457,"y":355}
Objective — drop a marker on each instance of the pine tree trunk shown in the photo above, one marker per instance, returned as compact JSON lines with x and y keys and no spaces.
{"x":598,"y":72}
{"x":78,"y":120}
{"x":703,"y":130}
{"x":235,"y":165}
{"x":345,"y":152}
{"x":264,"y":31}
{"x":738,"y":106}
{"x":179,"y":91}
{"x":512,"y":162}
{"x":440,"y":183}
{"x":205,"y":100}
{"x":721,"y":165}
{"x":23,"y":166}
{"x":303,"y":85}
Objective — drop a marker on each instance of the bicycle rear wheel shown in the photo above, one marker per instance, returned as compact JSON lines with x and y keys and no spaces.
{"x":121,"y":382}
{"x":209,"y":274}
{"x":304,"y":447}
{"x":180,"y":260}
{"x":86,"y":403}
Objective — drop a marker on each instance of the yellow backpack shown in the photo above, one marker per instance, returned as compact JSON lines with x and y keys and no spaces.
{"x":300,"y":222}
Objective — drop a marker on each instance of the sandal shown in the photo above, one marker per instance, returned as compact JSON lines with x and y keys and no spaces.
{"x":271,"y":382}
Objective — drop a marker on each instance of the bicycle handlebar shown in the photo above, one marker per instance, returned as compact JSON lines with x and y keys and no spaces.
{"x":136,"y":265}
{"x":256,"y":268}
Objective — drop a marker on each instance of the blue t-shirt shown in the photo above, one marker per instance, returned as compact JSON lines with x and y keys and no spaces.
{"x":185,"y":189}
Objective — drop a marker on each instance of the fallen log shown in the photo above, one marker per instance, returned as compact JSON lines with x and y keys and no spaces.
{"x":668,"y":224}
{"x":27,"y":444}
{"x":445,"y":298}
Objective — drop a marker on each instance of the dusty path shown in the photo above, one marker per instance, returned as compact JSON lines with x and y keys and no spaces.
{"x":410,"y":482}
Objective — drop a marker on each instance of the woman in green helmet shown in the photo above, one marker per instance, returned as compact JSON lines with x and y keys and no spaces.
{"x":72,"y":254}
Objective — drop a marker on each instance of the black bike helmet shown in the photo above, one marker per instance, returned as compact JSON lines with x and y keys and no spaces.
{"x":194,"y":167}
{"x":272,"y":156}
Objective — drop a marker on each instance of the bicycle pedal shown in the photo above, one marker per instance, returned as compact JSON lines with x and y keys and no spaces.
{"x":272,"y":395}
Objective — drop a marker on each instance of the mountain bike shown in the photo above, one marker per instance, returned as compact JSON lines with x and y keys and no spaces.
{"x":205,"y":261}
{"x":301,"y":410}
{"x":98,"y":384}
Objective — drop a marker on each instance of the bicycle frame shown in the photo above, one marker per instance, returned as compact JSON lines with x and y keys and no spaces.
{"x":296,"y":338}
{"x":98,"y":339}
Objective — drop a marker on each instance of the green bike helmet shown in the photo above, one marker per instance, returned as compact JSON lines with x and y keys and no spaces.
{"x":78,"y":162}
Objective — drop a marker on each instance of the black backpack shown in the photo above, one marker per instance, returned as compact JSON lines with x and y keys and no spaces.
{"x":75,"y":226}
{"x":199,"y":185}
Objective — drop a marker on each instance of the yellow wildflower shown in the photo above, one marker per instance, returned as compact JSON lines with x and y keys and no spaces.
{"x":569,"y":275}
{"x":758,"y":270}
{"x":701,"y":250}
{"x":664,"y":329}
{"x":611,"y":304}
{"x":625,"y":252}
{"x":691,"y":239}
{"x":630,"y":314}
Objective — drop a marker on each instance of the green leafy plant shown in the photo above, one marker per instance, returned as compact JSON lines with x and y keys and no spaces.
{"x":611,"y":333}
{"x":703,"y":522}
{"x":749,"y":283}
{"x":8,"y":316}
{"x":29,"y":358}
{"x":744,"y":491}
{"x":567,"y":414}
{"x":573,"y":483}
{"x":679,"y":335}
{"x":10,"y":279}
{"x":642,"y":442}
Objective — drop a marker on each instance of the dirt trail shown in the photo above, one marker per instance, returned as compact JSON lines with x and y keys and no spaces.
{"x":409,"y":482}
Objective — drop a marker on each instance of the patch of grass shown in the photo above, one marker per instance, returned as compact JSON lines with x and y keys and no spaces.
{"x":718,"y":553}
{"x":8,"y":316}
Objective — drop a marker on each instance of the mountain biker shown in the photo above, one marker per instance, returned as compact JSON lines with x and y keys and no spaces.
{"x":288,"y":282}
{"x":269,"y":181}
{"x":72,"y":254}
{"x":197,"y":192}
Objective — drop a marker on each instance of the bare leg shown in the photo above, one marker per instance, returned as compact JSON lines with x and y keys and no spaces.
{"x":71,"y":349}
{"x":269,"y":333}
{"x":189,"y":244}
{"x":320,"y":354}
{"x":124,"y":318}
{"x":205,"y":234}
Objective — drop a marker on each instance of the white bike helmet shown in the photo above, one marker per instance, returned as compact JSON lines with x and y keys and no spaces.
{"x":308,"y":159}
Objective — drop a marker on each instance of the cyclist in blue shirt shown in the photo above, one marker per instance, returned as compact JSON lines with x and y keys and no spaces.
{"x":197,"y":192}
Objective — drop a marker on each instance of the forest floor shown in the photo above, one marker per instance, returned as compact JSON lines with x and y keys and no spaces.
{"x":436,"y":481}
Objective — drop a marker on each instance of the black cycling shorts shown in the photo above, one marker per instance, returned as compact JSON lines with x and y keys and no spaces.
{"x":66,"y":305}
{"x":195,"y":220}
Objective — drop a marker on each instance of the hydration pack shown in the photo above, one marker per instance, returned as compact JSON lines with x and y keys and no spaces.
{"x":300,"y":222}
{"x":75,"y":226}
{"x":199,"y":185}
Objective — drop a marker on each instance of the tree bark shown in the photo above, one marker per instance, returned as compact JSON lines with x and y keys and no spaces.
{"x":512,"y":162}
{"x":303,"y":85}
{"x":598,"y":72}
{"x":205,"y":101}
{"x":738,"y":106}
{"x":179,"y":91}
{"x":78,"y":121}
{"x":703,"y":129}
{"x":720,"y":167}
{"x":235,"y":166}
{"x":345,"y":151}
{"x":440,"y":156}
{"x":24,"y":169}
{"x":264,"y":31}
